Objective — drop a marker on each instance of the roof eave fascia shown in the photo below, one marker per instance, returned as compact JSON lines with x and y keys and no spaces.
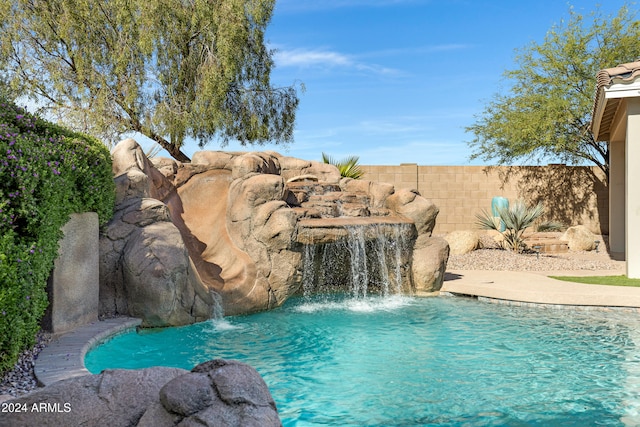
{"x":596,"y":121}
{"x":617,"y":89}
{"x":622,"y":89}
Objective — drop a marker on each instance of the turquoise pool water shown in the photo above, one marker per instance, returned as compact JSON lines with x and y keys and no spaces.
{"x":402,"y":361}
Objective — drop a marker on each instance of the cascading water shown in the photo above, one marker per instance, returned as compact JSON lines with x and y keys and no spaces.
{"x":370,"y":259}
{"x":356,"y":246}
{"x":401,"y":243}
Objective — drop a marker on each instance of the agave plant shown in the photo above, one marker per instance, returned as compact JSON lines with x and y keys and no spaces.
{"x":348,"y":167}
{"x":516,"y":219}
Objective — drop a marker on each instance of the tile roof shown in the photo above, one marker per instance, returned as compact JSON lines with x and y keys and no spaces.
{"x":623,"y":73}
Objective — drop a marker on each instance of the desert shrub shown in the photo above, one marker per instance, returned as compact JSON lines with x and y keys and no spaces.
{"x":547,"y":226}
{"x":516,"y":219}
{"x":46,"y":173}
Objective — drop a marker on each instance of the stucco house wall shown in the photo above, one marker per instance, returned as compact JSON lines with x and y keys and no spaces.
{"x":616,"y":120}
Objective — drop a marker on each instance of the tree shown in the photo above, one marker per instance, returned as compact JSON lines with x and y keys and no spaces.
{"x":168,"y":69}
{"x":547,"y":111}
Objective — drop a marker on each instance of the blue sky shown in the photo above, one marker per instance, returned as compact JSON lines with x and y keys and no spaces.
{"x":397,"y":81}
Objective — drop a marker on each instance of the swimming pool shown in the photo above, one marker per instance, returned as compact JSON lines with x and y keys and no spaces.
{"x":400,"y":361}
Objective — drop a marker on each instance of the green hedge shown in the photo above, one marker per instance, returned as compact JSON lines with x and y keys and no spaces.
{"x":46,"y":173}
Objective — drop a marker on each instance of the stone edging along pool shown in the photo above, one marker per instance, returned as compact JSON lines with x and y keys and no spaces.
{"x":547,"y":306}
{"x":63,"y":357}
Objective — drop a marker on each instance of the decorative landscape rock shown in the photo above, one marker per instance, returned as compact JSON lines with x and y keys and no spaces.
{"x":579,"y":238}
{"x":462,"y":241}
{"x":214,"y":393}
{"x":237,"y":225}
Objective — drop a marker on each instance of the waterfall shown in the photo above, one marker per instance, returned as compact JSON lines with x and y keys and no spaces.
{"x":308,"y":269}
{"x":401,"y":244}
{"x":369,"y":259}
{"x":356,"y":247}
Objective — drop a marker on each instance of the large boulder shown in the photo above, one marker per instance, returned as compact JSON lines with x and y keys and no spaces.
{"x":462,"y":241}
{"x":579,"y":238}
{"x":410,"y":204}
{"x":430,"y":256}
{"x":214,"y":393}
{"x":293,"y":167}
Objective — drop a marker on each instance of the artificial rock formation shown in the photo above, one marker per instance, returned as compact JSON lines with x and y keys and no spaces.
{"x":214,"y":393}
{"x":145,"y":268}
{"x":239,"y":226}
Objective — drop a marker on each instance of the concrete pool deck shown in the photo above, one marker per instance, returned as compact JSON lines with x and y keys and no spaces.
{"x":538,"y":288}
{"x":64,"y":356}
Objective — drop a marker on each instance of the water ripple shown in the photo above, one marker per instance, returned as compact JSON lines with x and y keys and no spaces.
{"x":416,"y":362}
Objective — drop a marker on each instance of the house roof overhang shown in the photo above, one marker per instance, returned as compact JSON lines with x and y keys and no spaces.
{"x":613,"y":85}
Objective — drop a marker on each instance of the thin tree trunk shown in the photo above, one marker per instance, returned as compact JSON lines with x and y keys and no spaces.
{"x":173,"y":150}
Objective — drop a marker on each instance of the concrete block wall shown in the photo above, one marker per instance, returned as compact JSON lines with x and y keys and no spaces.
{"x":573,"y":195}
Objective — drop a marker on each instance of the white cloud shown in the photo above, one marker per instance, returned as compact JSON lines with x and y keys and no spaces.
{"x":325,"y":59}
{"x":447,"y":47}
{"x":310,"y":58}
{"x":304,"y":58}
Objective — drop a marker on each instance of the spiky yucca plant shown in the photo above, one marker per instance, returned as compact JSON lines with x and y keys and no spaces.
{"x":348,"y":167}
{"x":516,"y":218}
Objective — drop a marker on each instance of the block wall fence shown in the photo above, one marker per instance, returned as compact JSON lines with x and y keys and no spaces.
{"x":573,"y":195}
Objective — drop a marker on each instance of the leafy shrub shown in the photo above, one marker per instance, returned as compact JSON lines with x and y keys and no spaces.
{"x":46,"y":173}
{"x":516,"y":218}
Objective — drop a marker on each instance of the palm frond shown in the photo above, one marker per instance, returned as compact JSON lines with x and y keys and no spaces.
{"x":348,"y":167}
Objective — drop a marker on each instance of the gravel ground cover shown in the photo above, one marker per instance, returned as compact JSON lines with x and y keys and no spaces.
{"x":498,"y":259}
{"x":21,"y":380}
{"x":491,"y":257}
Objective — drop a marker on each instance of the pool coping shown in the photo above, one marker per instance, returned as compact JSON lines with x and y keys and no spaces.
{"x":64,"y":356}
